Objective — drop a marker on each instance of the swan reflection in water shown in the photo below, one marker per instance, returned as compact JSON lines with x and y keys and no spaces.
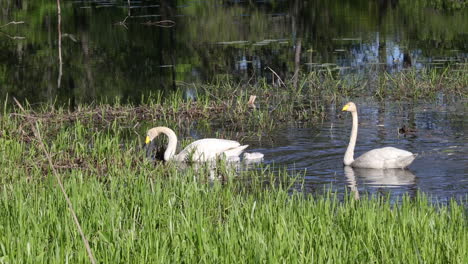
{"x":378,"y":178}
{"x":219,"y":169}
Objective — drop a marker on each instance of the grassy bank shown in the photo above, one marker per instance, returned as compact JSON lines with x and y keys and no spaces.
{"x":134,"y":210}
{"x":163,"y":215}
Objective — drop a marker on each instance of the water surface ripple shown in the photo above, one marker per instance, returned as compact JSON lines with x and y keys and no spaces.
{"x":440,"y":169}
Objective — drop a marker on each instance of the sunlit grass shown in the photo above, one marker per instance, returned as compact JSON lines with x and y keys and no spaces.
{"x":146,"y":217}
{"x":134,"y":210}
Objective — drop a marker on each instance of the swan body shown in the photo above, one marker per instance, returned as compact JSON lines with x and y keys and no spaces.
{"x":384,"y":158}
{"x":381,"y":158}
{"x":201,"y":150}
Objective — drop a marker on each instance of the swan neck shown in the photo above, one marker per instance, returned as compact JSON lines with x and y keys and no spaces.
{"x":349,"y":155}
{"x":172,"y":145}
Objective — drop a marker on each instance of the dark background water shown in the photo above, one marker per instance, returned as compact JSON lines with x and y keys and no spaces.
{"x":104,"y":58}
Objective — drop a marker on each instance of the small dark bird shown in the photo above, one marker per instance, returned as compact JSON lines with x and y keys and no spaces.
{"x":404,"y":130}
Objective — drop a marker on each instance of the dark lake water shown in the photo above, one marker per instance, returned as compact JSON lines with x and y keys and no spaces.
{"x":127,"y":49}
{"x":124,"y":49}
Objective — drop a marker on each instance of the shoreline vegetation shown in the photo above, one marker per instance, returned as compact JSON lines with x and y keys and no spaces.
{"x":135,"y":210}
{"x":226,"y":101}
{"x":141,"y":218}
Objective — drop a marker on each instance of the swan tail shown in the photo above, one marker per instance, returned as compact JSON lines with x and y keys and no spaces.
{"x":406,"y":161}
{"x":235,"y":151}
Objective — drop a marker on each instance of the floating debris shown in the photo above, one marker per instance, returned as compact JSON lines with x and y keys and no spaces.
{"x":278,"y":14}
{"x":265,"y":42}
{"x":147,"y":16}
{"x":342,"y":68}
{"x":327,"y":64}
{"x":232,"y":42}
{"x":348,"y":39}
{"x":162,"y":23}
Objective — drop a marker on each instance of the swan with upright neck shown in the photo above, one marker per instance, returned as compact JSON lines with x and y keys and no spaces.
{"x":381,"y":158}
{"x":201,"y":150}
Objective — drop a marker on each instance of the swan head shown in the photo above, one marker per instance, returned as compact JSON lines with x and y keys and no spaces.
{"x":152,"y":134}
{"x":350,"y":107}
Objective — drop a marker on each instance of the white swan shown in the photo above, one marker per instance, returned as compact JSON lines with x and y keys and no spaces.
{"x":381,"y":158}
{"x":201,"y":150}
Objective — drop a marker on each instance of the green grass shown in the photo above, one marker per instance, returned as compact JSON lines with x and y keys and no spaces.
{"x":132,"y":210}
{"x":147,"y":217}
{"x":137,"y":211}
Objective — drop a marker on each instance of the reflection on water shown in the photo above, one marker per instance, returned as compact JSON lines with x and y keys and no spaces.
{"x":351,"y":180}
{"x":440,"y":140}
{"x":386,"y":178}
{"x":382,"y":178}
{"x":127,"y":49}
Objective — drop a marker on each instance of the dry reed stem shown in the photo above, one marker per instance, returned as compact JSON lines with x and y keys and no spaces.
{"x":37,"y":134}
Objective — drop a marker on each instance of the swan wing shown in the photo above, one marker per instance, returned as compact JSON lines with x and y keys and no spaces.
{"x":210,"y":148}
{"x":384,"y":158}
{"x":235,"y":152}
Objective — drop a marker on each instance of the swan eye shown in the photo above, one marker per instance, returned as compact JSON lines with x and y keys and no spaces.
{"x":147,"y":140}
